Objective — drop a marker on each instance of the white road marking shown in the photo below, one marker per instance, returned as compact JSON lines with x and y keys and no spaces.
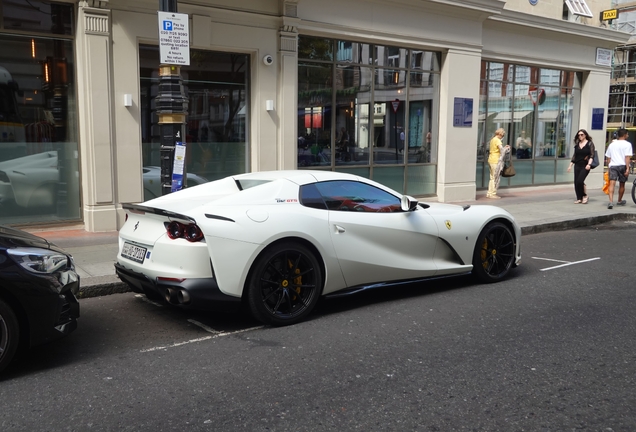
{"x":200,"y":339}
{"x":203,"y":326}
{"x":147,"y":300}
{"x":570,"y":263}
{"x":550,"y":259}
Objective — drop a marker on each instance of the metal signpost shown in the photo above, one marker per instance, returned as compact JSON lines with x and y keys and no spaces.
{"x":171,"y":102}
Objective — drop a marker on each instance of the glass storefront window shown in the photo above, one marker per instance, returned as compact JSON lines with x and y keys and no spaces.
{"x":568,"y":79}
{"x":37,"y":16}
{"x":550,"y":77}
{"x":523,"y":124}
{"x":422,"y":139}
{"x":39,"y":165}
{"x":537,"y":110}
{"x":425,"y":60}
{"x":313,"y":48}
{"x":500,"y":72}
{"x":385,"y":103}
{"x":314,"y":114}
{"x":393,"y":57}
{"x":527,"y":74}
{"x":352,"y":115}
{"x":216,"y":127}
{"x":567,"y":122}
{"x":353,"y":52}
{"x":388,"y":117}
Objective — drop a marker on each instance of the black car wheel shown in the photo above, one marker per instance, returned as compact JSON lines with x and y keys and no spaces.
{"x":284,"y":284}
{"x":494,"y":253}
{"x":634,"y":192}
{"x":9,"y":334}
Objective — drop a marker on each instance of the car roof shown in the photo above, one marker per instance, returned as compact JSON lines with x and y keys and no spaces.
{"x":299,"y":177}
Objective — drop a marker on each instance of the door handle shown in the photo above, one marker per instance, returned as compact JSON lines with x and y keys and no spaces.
{"x":339,"y":229}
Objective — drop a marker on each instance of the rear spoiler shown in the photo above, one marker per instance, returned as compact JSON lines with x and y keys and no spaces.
{"x":136,"y":208}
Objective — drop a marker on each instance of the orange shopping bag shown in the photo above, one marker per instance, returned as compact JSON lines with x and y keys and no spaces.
{"x":606,"y":183}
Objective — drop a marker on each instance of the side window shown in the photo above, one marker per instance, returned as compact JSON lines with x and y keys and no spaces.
{"x":357,"y":196}
{"x":310,"y":197}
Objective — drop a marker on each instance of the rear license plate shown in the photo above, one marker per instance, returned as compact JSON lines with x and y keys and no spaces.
{"x":134,"y":253}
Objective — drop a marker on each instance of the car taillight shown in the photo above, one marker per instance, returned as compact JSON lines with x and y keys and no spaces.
{"x":190,"y":232}
{"x":193,"y":233}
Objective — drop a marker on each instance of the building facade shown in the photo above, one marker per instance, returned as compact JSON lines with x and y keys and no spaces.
{"x":622,"y":97}
{"x":405,"y":92}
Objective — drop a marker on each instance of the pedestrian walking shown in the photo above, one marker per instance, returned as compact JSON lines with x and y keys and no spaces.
{"x":618,"y":156}
{"x":582,"y":162}
{"x":495,"y":162}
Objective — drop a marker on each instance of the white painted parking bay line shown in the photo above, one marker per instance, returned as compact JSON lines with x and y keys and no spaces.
{"x":550,"y":259}
{"x":567,"y":263}
{"x":203,"y":326}
{"x":200,"y":339}
{"x":147,"y":300}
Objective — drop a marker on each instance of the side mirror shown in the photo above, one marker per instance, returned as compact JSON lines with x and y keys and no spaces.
{"x":408,"y":204}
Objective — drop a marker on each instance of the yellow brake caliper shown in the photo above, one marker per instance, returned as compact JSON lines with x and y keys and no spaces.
{"x":484,"y":253}
{"x":297,"y":280}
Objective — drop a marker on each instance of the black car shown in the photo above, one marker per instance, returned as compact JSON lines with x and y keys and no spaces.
{"x":38,"y":284}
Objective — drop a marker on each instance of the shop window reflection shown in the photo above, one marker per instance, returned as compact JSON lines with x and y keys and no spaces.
{"x":538,"y":117}
{"x":216,"y":128}
{"x":39,"y":169}
{"x":385,"y":100}
{"x":314,"y":114}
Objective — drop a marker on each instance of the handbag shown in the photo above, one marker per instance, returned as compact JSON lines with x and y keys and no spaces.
{"x":594,"y":163}
{"x":508,"y":169}
{"x":606,"y":183}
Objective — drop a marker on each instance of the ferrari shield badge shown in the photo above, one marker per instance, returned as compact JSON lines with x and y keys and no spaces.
{"x":448,"y":224}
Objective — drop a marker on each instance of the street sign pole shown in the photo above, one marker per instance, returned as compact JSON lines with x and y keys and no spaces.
{"x":171,"y":102}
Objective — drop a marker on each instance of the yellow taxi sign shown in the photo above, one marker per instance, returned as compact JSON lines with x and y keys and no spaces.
{"x":609,"y":14}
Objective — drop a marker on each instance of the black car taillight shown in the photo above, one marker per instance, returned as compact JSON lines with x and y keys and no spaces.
{"x":191,"y":232}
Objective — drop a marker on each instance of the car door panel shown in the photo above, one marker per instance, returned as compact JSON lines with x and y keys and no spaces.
{"x":374,"y":247}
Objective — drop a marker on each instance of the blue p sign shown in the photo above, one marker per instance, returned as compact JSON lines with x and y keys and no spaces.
{"x":167,"y":25}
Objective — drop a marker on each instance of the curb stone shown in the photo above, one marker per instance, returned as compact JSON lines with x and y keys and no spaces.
{"x":575,"y":223}
{"x":100,"y":290}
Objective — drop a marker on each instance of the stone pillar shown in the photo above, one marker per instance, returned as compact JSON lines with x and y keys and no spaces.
{"x":288,"y":97}
{"x":594,"y":95}
{"x":457,"y":145}
{"x":95,"y":117}
{"x":288,"y":85}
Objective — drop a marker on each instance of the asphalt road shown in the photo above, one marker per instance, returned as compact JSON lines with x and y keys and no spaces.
{"x":553,"y":348}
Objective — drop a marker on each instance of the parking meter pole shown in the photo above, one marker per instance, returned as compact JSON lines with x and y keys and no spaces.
{"x":168,"y":5}
{"x":172,"y":107}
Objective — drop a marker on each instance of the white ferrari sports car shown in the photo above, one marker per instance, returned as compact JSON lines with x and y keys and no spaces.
{"x":277,"y":241}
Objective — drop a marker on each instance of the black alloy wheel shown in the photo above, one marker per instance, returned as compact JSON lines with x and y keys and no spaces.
{"x":494,"y":253}
{"x":634,"y":192}
{"x":284,"y":284}
{"x":9,"y":335}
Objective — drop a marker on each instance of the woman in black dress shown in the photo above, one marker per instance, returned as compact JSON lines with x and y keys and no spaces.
{"x":581,"y":160}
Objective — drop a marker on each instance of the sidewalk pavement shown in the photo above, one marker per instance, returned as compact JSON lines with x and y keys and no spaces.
{"x":536,"y":209}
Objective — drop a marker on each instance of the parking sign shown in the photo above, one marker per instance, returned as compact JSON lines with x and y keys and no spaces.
{"x":174,"y":38}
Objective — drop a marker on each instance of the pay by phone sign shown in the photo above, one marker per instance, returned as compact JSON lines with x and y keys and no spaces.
{"x":174,"y":38}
